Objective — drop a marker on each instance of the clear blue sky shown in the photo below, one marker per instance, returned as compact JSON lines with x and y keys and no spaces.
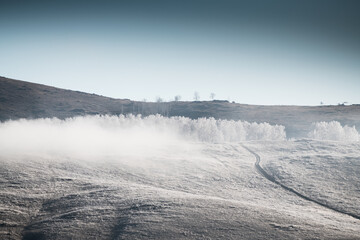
{"x":255,"y":52}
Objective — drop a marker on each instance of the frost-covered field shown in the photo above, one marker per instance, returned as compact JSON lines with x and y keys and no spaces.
{"x":327,"y":171}
{"x":166,"y":178}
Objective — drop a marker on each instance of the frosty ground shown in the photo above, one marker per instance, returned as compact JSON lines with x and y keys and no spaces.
{"x":147,"y":184}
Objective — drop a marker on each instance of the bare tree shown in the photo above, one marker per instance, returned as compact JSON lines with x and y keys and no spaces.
{"x":177,"y":98}
{"x":212,"y":96}
{"x":196,"y":96}
{"x":159,"y":99}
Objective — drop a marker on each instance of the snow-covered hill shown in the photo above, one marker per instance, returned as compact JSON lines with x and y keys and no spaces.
{"x":171,"y":178}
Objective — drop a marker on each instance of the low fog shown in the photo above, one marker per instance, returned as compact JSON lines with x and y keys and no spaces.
{"x":92,"y":136}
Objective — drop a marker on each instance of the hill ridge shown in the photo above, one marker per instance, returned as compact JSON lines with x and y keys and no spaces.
{"x":21,"y":99}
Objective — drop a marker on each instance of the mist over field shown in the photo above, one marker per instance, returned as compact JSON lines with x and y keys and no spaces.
{"x":91,"y":137}
{"x":116,"y":134}
{"x":105,"y":135}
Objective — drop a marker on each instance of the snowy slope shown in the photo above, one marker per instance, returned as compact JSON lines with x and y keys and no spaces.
{"x":327,"y":171}
{"x":93,"y":178}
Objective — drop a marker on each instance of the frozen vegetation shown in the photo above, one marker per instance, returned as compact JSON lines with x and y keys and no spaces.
{"x":117,"y":177}
{"x":333,"y":131}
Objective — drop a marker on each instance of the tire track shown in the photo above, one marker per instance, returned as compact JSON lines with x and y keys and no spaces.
{"x":272,"y":179}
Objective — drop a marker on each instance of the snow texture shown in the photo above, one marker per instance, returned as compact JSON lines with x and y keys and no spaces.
{"x":326,"y":171}
{"x":133,"y":177}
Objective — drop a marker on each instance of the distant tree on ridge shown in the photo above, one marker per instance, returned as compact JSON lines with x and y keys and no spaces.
{"x":196,"y":96}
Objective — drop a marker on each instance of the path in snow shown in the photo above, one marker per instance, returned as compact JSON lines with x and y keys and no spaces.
{"x":272,"y":179}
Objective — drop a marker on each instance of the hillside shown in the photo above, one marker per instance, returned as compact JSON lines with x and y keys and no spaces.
{"x":20,"y":99}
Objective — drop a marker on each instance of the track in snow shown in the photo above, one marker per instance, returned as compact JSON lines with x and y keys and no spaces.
{"x":272,"y":179}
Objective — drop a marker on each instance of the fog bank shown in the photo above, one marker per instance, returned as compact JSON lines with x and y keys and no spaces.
{"x":136,"y":135}
{"x":109,"y":135}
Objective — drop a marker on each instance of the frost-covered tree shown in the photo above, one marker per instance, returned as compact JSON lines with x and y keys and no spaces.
{"x":212,"y":96}
{"x":177,"y":98}
{"x":196,"y":96}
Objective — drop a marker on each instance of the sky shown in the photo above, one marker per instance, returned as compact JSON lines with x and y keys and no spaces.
{"x":280,"y":52}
